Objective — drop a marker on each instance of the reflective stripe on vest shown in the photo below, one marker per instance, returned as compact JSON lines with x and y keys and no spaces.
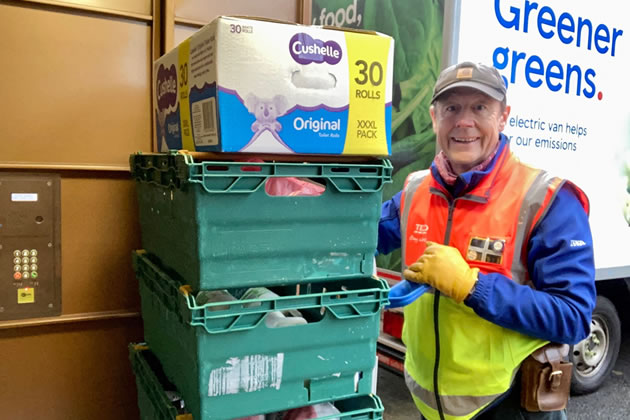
{"x":530,"y":193}
{"x":411,"y":185}
{"x":452,"y":405}
{"x":531,"y":206}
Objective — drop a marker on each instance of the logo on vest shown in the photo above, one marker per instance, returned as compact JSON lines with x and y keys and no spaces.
{"x":488,"y":250}
{"x":419,"y":233}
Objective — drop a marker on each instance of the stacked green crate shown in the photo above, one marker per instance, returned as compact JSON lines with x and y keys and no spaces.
{"x":155,"y":404}
{"x":211,"y":225}
{"x":153,"y":387}
{"x":215,"y":224}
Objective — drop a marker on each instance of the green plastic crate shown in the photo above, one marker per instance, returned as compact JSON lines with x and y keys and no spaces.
{"x":214,"y":223}
{"x":155,"y":405}
{"x":228,"y":363}
{"x":152,"y":386}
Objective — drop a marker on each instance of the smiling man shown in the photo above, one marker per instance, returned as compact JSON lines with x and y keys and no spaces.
{"x":497,"y":247}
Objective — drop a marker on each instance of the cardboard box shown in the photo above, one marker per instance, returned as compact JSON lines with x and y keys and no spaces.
{"x":255,"y":86}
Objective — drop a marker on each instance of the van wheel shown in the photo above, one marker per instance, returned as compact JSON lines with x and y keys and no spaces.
{"x":594,"y":357}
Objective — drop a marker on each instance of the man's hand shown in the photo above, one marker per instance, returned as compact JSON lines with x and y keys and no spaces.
{"x":443,"y":268}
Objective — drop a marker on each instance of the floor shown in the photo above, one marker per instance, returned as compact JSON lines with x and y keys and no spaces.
{"x":393,"y":393}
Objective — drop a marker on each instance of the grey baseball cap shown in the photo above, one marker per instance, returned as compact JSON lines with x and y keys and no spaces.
{"x":485,"y":79}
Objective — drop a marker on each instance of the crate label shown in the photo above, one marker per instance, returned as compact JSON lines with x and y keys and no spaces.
{"x":248,"y":374}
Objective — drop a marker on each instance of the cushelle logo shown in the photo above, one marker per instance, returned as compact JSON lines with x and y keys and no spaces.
{"x":305,"y":50}
{"x":166,"y":87}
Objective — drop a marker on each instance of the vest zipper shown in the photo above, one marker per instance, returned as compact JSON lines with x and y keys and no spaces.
{"x":436,"y":306}
{"x":436,"y":303}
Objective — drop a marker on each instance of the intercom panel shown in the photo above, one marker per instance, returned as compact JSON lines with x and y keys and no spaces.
{"x":30,"y":245}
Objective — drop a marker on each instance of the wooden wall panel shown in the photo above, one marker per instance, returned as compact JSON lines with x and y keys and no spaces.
{"x":182,"y":32}
{"x":129,"y":6}
{"x":201,"y":10}
{"x":137,"y":8}
{"x":99,"y":220}
{"x":75,"y":371}
{"x":75,"y":87}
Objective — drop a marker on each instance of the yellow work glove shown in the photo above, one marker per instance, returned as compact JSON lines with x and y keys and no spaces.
{"x":443,"y":268}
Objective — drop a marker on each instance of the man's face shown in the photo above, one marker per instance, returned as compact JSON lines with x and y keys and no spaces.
{"x":467,"y":124}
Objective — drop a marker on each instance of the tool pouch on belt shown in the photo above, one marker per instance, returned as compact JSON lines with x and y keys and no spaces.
{"x":546,"y":379}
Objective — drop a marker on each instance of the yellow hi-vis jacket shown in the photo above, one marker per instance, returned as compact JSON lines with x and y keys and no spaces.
{"x":457,"y":362}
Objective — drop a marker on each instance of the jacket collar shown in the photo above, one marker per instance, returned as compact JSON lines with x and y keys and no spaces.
{"x":468,"y":180}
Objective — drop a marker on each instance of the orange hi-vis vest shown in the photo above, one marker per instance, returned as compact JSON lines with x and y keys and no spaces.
{"x":457,"y":362}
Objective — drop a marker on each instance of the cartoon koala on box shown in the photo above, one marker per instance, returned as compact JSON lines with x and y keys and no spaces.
{"x":266,"y":112}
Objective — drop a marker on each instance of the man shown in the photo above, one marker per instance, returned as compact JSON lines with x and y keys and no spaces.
{"x":506,"y":248}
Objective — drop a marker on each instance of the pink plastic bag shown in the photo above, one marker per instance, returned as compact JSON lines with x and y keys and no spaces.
{"x":311,"y":412}
{"x":287,"y":186}
{"x":302,"y":413}
{"x":293,"y":187}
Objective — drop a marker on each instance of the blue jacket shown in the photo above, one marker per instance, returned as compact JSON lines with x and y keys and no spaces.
{"x":560,"y":307}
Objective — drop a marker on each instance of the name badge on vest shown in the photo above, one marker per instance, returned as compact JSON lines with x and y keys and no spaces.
{"x":489,"y":250}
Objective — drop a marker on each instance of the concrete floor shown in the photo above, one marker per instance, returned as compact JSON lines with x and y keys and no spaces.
{"x":393,"y":393}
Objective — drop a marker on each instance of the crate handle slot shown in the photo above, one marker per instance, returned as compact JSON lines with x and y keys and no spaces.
{"x":356,"y":311}
{"x":357,"y":186}
{"x":216,"y":168}
{"x":233,"y":186}
{"x":368,"y":170}
{"x":252,"y":321}
{"x":247,"y":168}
